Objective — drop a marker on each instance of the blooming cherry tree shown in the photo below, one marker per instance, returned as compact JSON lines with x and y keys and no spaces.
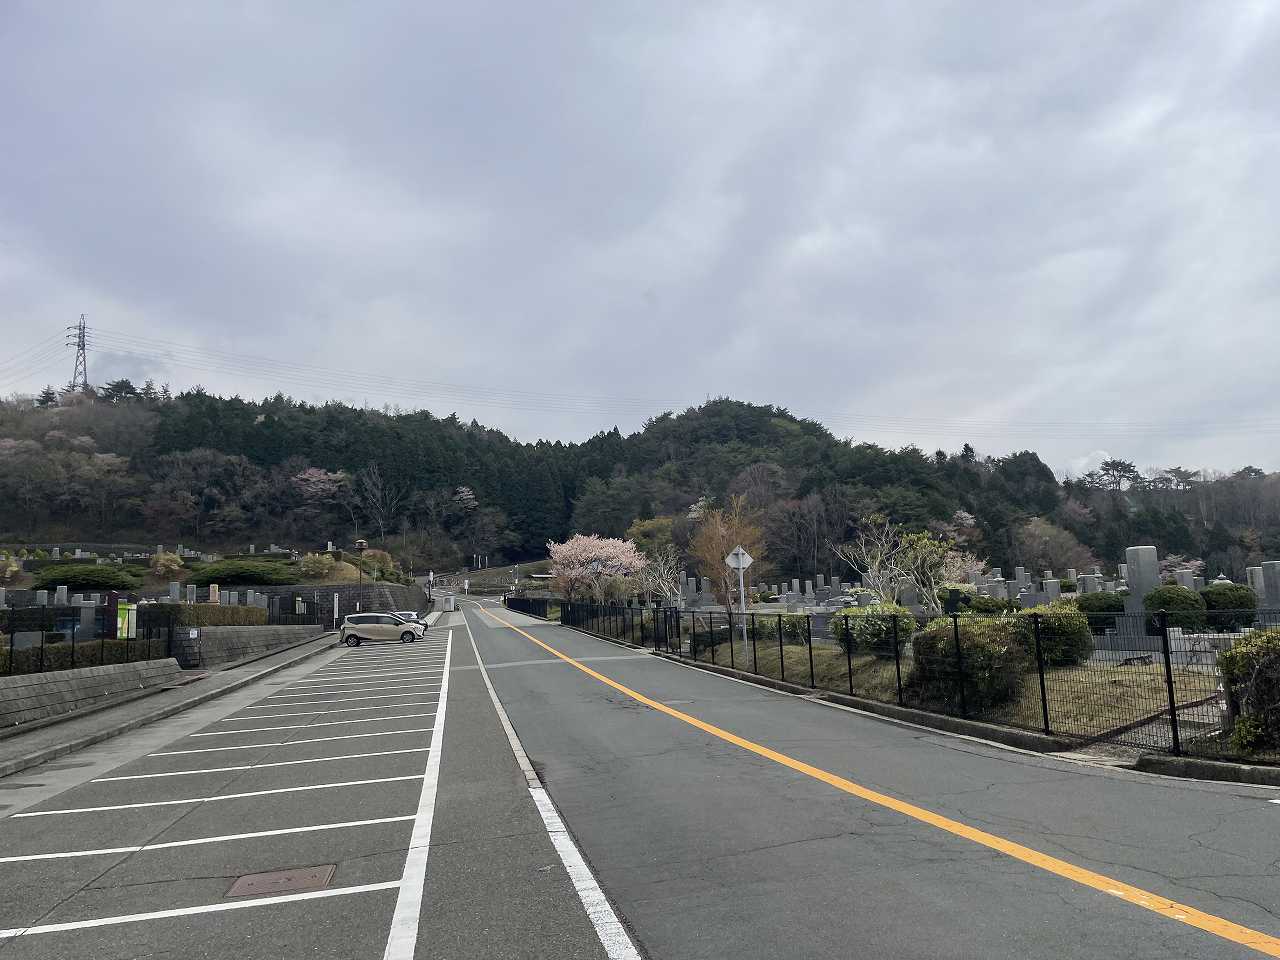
{"x":589,"y":562}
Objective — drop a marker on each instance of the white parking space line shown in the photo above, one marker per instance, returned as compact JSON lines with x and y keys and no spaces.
{"x":300,"y":726}
{"x":402,"y":938}
{"x":227,"y":838}
{"x":260,"y":766}
{"x":193,"y":911}
{"x":347,"y":666}
{"x":326,"y":712}
{"x":613,"y":935}
{"x":303,"y":703}
{"x":214,"y":799}
{"x":389,"y":674}
{"x":381,"y":686}
{"x":290,"y":743}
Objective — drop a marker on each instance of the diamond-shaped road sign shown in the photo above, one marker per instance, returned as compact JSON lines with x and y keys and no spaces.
{"x":739,"y":559}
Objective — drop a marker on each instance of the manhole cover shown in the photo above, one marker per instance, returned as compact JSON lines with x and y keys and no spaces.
{"x":298,"y":880}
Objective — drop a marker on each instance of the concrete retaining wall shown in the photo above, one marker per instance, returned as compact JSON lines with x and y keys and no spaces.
{"x":214,"y":646}
{"x":37,"y":696}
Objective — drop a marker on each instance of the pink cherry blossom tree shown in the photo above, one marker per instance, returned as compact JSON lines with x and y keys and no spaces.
{"x":589,"y":563}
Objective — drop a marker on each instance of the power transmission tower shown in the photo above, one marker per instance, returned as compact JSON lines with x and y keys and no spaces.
{"x":76,"y":335}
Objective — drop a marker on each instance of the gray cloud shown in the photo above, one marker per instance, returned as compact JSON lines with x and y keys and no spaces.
{"x":1032,"y":226}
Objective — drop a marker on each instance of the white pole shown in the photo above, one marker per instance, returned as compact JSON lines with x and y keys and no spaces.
{"x":742,"y":603}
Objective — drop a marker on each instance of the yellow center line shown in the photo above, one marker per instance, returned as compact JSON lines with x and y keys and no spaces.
{"x":1171,"y":909}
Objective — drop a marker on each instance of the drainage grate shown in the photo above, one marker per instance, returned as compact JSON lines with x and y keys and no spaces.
{"x":297,"y":880}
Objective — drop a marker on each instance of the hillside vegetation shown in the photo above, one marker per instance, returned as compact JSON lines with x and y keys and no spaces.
{"x":219,"y":473}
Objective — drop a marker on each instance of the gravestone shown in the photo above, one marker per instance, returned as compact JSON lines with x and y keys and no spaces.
{"x":1046,"y":575}
{"x":1071,"y":573}
{"x":1271,"y":584}
{"x":795,"y":586}
{"x":42,"y":598}
{"x":78,"y":554}
{"x":1124,"y":571}
{"x":1109,"y":586}
{"x":60,"y":596}
{"x":1088,"y":583}
{"x":1013,"y":589}
{"x":1020,"y":574}
{"x":181,"y":551}
{"x":995,"y":588}
{"x":223,"y":598}
{"x":836,"y":585}
{"x":252,"y":549}
{"x":233,"y":598}
{"x":808,"y":588}
{"x":174,"y":589}
{"x":56,"y":553}
{"x":213,"y":593}
{"x":996,"y":573}
{"x":822,"y":581}
{"x":1185,"y":578}
{"x":1253,"y":577}
{"x":159,"y":548}
{"x":1143,"y":566}
{"x":1197,"y":584}
{"x":95,"y":598}
{"x":1053,"y":589}
{"x":191,"y":593}
{"x":88,"y":624}
{"x":2,"y":597}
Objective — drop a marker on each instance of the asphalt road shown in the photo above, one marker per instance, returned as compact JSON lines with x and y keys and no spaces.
{"x":720,"y":819}
{"x":710,"y":849}
{"x":131,"y":849}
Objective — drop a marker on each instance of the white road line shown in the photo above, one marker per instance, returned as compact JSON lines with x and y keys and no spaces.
{"x":303,"y":703}
{"x":383,"y":666}
{"x":259,"y":766}
{"x":290,"y":743}
{"x":171,"y":844}
{"x":326,"y":712}
{"x":613,"y":935}
{"x":300,"y":726}
{"x":222,"y":796}
{"x":402,"y":938}
{"x":381,"y":686}
{"x":352,"y":677}
{"x":193,"y":911}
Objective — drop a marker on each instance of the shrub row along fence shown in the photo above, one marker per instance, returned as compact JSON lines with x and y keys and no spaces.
{"x":1152,"y":681}
{"x":41,"y":639}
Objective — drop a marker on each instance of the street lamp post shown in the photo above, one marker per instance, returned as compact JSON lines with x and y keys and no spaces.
{"x":361,"y":547}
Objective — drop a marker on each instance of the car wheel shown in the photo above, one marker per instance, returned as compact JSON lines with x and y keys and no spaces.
{"x":353,"y":642}
{"x":406,"y":637}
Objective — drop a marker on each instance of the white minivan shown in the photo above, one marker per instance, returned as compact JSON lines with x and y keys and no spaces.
{"x":359,"y":627}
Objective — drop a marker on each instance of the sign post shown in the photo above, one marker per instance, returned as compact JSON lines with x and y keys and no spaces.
{"x":739,"y":560}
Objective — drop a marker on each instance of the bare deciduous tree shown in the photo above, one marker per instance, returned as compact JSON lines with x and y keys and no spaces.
{"x":380,"y":498}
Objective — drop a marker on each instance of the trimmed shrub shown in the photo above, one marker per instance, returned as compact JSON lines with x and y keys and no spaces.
{"x":9,"y":569}
{"x":1185,"y":607}
{"x":78,"y":577}
{"x":990,"y":606}
{"x":217,"y":615}
{"x":1065,"y":637}
{"x":1100,"y":606}
{"x":60,"y":655}
{"x":795,"y":630}
{"x":870,"y":629}
{"x":249,"y":572}
{"x":379,"y":562}
{"x":1239,"y":602}
{"x":1251,"y":672}
{"x":166,"y":564}
{"x":316,"y":566}
{"x":994,"y":663}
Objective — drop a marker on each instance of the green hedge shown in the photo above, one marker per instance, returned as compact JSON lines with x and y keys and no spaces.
{"x":994,"y":663}
{"x":78,"y":577}
{"x":1097,"y":604}
{"x":88,"y":653}
{"x":1251,"y":671}
{"x":1065,"y":637}
{"x":1186,"y":608}
{"x":247,"y":572}
{"x":870,"y":629}
{"x":1231,"y":605}
{"x":216,"y":615}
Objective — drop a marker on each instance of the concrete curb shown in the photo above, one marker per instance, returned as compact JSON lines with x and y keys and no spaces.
{"x":1193,"y":768}
{"x":46,"y":754}
{"x":1009,"y":736}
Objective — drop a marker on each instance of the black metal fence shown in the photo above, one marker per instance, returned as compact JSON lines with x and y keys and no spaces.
{"x":40,"y":639}
{"x":1149,"y":681}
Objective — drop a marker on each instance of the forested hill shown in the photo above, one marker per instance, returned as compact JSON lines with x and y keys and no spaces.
{"x":137,"y":466}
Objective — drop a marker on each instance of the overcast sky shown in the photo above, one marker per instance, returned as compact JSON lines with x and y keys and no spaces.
{"x":1045,"y":226}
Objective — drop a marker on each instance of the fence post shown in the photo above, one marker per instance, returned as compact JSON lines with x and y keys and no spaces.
{"x":711,"y":635}
{"x":102,"y":642}
{"x":897,"y":658}
{"x":755,"y":656}
{"x":808,"y":638}
{"x":9,"y":623}
{"x":955,"y":629}
{"x":1168,"y":681}
{"x":848,"y":652}
{"x":782,"y":660}
{"x":732,"y":661}
{"x":1044,"y":699}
